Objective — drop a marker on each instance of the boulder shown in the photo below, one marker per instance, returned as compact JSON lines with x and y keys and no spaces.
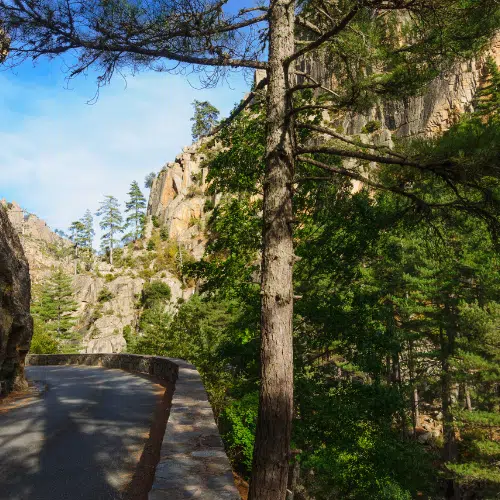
{"x":16,"y":324}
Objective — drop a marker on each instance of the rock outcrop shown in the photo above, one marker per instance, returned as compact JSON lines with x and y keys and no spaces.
{"x":177,"y":199}
{"x":431,"y":113}
{"x":178,"y":194}
{"x":16,"y":324}
{"x":44,"y":249}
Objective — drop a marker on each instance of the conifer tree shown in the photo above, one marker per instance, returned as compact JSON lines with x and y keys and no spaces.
{"x":111,"y":223}
{"x":55,"y":306}
{"x":88,"y":229}
{"x":205,"y":118}
{"x":136,"y":207}
{"x":77,"y":235}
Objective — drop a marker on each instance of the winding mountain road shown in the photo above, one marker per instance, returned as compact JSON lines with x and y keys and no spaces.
{"x":82,"y":439}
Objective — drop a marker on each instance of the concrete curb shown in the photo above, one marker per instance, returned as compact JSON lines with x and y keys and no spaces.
{"x":193,"y":463}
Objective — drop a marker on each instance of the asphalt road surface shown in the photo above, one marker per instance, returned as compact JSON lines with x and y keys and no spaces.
{"x":82,"y":439}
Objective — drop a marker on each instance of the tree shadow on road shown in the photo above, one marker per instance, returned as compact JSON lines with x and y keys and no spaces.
{"x":92,"y":445}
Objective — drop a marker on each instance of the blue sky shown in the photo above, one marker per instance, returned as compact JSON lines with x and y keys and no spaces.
{"x":60,"y":155}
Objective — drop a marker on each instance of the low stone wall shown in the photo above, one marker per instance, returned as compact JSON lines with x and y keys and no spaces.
{"x":156,"y":366}
{"x":193,"y":463}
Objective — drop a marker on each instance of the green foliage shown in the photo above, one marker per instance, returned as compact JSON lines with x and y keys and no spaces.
{"x":155,"y":291}
{"x":135,"y":207}
{"x":105,"y":295}
{"x":238,"y":422}
{"x":54,"y":306}
{"x":111,"y":221}
{"x":205,"y":118}
{"x":371,"y":127}
{"x":155,"y":221}
{"x":44,"y":340}
{"x":164,"y":234}
{"x":151,"y":246}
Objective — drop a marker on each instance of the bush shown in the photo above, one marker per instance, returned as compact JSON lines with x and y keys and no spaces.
{"x":104,"y":295}
{"x":109,"y":278}
{"x":238,"y":422}
{"x":151,"y":245}
{"x":164,"y":234}
{"x":156,"y":291}
{"x":371,"y":127}
{"x":155,"y":221}
{"x":209,"y":205}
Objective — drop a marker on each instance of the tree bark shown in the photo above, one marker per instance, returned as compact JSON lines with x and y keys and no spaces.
{"x":272,"y":441}
{"x":450,"y":446}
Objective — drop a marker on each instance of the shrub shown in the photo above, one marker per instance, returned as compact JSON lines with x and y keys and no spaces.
{"x":151,"y":245}
{"x":209,"y":205}
{"x":156,"y":291}
{"x":43,"y":341}
{"x":109,"y":278}
{"x":371,"y":127}
{"x":164,"y":234}
{"x":238,"y":422}
{"x":155,"y":221}
{"x":105,"y":295}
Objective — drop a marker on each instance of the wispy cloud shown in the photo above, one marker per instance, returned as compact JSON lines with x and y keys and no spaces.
{"x":60,"y":156}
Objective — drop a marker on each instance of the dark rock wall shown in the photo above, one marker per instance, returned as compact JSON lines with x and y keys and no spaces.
{"x":16,"y":324}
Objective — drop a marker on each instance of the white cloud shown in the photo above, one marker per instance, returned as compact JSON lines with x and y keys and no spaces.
{"x":60,"y":156}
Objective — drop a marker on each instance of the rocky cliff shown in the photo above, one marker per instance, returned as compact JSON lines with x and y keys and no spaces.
{"x":177,"y":199}
{"x":16,"y":325}
{"x":106,"y":296}
{"x":44,"y":249}
{"x":178,"y":194}
{"x":430,"y":113}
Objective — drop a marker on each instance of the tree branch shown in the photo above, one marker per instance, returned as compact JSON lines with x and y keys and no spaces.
{"x":333,"y":133}
{"x":326,"y":36}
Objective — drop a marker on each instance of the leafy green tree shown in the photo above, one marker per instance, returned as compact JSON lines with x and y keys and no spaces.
{"x":55,"y":306}
{"x":135,"y":206}
{"x":111,"y":223}
{"x":205,"y":118}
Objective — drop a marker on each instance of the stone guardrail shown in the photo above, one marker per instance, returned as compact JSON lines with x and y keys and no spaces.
{"x":193,"y":463}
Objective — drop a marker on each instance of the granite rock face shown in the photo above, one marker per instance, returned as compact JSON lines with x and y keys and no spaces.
{"x":177,"y":199}
{"x":16,"y":324}
{"x":44,"y":249}
{"x":178,"y":194}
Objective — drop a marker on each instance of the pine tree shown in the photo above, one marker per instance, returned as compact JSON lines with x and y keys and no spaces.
{"x":55,"y":306}
{"x":88,"y":229}
{"x":111,"y":223}
{"x":76,"y":235}
{"x":205,"y":118}
{"x":136,"y":207}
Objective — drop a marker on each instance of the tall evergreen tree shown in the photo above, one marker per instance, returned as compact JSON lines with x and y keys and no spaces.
{"x":205,"y":118}
{"x":111,"y":223}
{"x":88,"y":232}
{"x":77,"y":235}
{"x":55,"y":306}
{"x":135,"y":206}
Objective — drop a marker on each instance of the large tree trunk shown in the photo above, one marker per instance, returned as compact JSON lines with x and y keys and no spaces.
{"x":272,"y":442}
{"x":452,"y":491}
